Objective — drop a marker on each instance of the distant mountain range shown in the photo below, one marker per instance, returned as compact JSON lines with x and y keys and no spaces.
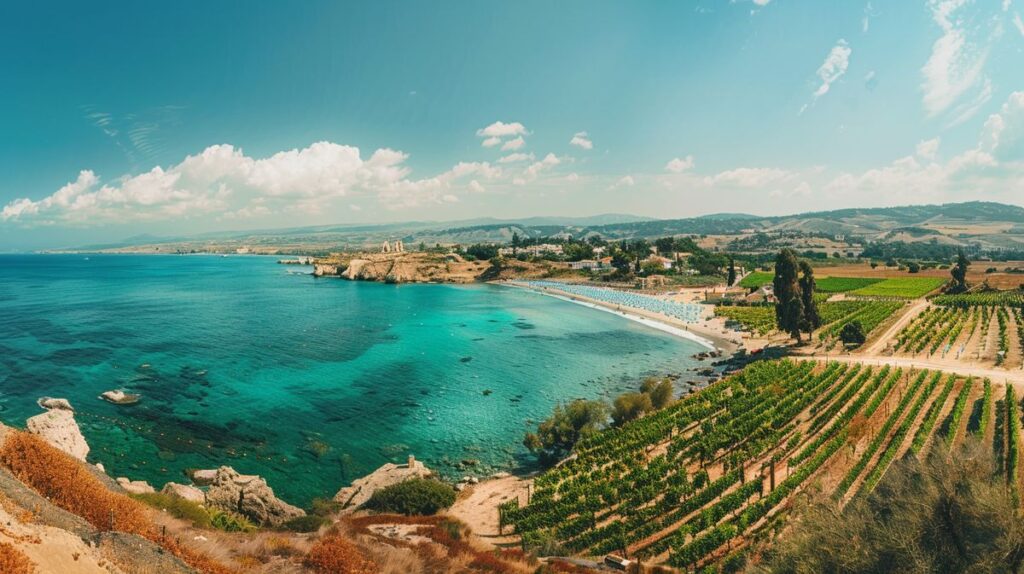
{"x":986,"y":225}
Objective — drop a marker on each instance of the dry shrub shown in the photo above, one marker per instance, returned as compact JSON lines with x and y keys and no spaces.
{"x":14,"y":561}
{"x":68,"y":484}
{"x":333,"y":554}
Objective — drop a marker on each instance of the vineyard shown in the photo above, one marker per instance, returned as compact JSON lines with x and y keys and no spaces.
{"x":977,"y":327}
{"x":834,"y":314}
{"x":713,"y":472}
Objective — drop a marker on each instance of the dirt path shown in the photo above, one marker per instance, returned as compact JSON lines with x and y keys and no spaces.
{"x":477,"y":506}
{"x":911,"y":312}
{"x":950,"y":366}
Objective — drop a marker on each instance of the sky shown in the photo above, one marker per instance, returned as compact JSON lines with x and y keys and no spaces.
{"x":127,"y":118}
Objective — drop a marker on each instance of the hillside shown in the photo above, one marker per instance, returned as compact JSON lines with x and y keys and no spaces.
{"x":983,"y":225}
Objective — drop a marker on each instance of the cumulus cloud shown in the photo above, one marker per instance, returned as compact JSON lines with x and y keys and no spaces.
{"x":1018,"y":23}
{"x":955,"y":68}
{"x":549,"y":161}
{"x":679,"y":165}
{"x":517,"y":157}
{"x":581,"y":140}
{"x":513,"y":144}
{"x":499,"y":132}
{"x":749,"y":177}
{"x":222,"y":181}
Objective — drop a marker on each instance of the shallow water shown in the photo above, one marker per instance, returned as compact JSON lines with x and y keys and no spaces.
{"x":308,"y":382}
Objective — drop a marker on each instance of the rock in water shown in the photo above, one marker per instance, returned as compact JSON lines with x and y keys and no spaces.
{"x":57,"y":426}
{"x":119,"y":397}
{"x":204,"y":477}
{"x":184,"y":491}
{"x":52,"y":403}
{"x":249,"y":496}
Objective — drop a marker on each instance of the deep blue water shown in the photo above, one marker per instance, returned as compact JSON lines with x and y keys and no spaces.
{"x":308,"y":382}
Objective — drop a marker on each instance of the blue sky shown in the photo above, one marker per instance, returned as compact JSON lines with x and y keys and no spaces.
{"x":132,"y":117}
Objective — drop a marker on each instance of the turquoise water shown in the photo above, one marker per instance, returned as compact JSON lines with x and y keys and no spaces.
{"x":308,"y":382}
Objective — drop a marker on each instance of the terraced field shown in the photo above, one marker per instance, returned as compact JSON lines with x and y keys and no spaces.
{"x":691,"y":483}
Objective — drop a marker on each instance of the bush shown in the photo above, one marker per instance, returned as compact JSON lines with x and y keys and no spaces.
{"x":14,"y":561}
{"x":630,"y":406}
{"x":332,"y":554}
{"x":177,"y":507}
{"x":230,"y":522}
{"x":852,"y":334}
{"x":308,"y":523}
{"x":415,"y":496}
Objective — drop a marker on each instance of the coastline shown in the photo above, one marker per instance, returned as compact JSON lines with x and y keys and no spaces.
{"x":698,"y":333}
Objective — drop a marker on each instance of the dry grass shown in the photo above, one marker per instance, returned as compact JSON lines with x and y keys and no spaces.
{"x":13,"y":561}
{"x":334,"y":554}
{"x":69,"y":485}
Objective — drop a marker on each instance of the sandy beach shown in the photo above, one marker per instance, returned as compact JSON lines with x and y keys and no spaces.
{"x":710,"y":332}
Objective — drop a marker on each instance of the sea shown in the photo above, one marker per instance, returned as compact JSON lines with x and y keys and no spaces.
{"x":309,"y":382}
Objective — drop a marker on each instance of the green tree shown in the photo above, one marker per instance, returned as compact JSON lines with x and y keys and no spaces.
{"x":852,"y":333}
{"x":559,"y":433}
{"x":959,"y":274}
{"x":516,"y":243}
{"x":665,"y":245}
{"x":660,"y":391}
{"x":732,"y":272}
{"x":789,"y":308}
{"x":630,"y":406}
{"x":811,"y":320}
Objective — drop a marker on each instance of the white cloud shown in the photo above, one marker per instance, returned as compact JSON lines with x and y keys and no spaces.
{"x":549,"y":161}
{"x":1018,"y":23}
{"x":513,"y":144}
{"x":748,"y":177}
{"x":517,"y":157}
{"x":491,"y":141}
{"x":955,"y":66}
{"x":580,"y":139}
{"x":502,"y":130}
{"x":762,"y":2}
{"x":222,"y":181}
{"x":475,"y":186}
{"x":1003,"y":132}
{"x":625,"y":181}
{"x":572,"y":177}
{"x":834,"y":66}
{"x":928,"y":149}
{"x":679,"y":165}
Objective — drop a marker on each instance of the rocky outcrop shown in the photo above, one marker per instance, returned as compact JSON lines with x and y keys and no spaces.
{"x":249,"y":496}
{"x":204,"y":477}
{"x":362,"y":489}
{"x":135,"y":486}
{"x":184,"y":491}
{"x":326,"y":270}
{"x":57,"y":426}
{"x":119,"y":397}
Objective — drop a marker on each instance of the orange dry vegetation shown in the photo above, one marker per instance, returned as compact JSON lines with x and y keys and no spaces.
{"x":13,"y":561}
{"x":69,"y":485}
{"x":333,"y":554}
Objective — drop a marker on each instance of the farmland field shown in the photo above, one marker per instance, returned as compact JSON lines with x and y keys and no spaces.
{"x":901,"y":287}
{"x":843,"y":284}
{"x":834,"y":315}
{"x":755,"y":279}
{"x":688,"y":484}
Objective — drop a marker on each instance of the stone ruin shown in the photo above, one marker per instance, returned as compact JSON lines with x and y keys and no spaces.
{"x":393,"y":247}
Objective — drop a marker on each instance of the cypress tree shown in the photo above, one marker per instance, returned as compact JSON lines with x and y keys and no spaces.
{"x":789,"y":308}
{"x":959,"y":273}
{"x":732,"y":271}
{"x":807,"y":287}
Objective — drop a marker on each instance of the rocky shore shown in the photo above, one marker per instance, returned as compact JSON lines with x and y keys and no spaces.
{"x":423,"y":267}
